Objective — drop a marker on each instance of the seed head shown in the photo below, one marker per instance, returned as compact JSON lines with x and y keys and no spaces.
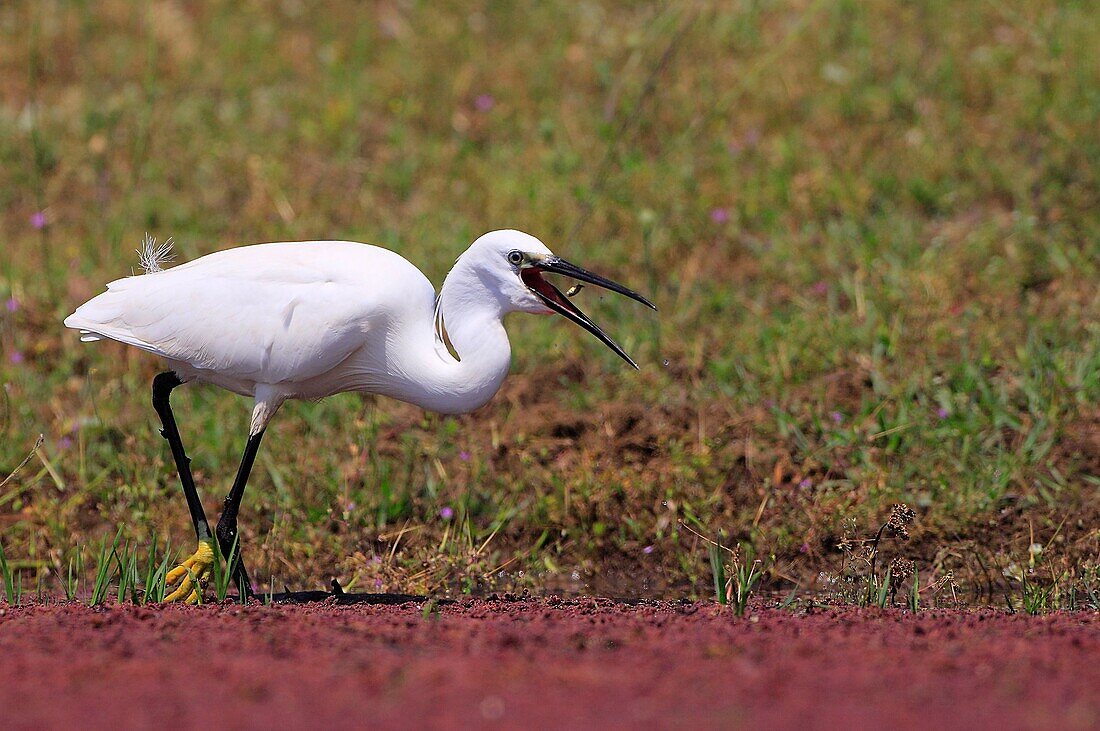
{"x":900,"y":518}
{"x":901,"y":569}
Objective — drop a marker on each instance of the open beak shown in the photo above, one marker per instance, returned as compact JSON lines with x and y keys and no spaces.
{"x":558,"y":302}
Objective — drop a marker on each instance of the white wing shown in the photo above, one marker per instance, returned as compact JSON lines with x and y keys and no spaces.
{"x":270,"y":313}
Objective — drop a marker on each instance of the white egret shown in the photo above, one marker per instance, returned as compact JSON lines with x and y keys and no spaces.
{"x":312,"y":319}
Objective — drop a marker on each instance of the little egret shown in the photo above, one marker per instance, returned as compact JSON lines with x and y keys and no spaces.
{"x":311,"y":319}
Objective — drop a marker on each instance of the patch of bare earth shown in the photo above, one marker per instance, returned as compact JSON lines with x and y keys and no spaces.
{"x":548,"y":663}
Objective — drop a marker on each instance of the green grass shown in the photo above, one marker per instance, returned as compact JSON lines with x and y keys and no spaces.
{"x":870,"y":228}
{"x":224,"y":567}
{"x":718,"y":572}
{"x":107,"y":564}
{"x":7,"y":578}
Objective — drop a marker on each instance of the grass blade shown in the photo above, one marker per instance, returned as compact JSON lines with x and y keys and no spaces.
{"x":747,"y":572}
{"x":223,"y":573}
{"x":6,"y":577}
{"x":914,"y":592}
{"x":718,"y":572}
{"x":103,"y":574}
{"x":156,"y":585}
{"x":76,"y":574}
{"x":883,"y":594}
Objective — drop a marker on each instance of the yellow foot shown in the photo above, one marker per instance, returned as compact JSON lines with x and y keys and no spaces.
{"x":187,"y":580}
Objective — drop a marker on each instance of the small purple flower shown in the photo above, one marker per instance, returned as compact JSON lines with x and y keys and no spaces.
{"x":378,"y":583}
{"x":464,"y":456}
{"x":806,"y":483}
{"x":64,"y":443}
{"x":804,"y":548}
{"x":16,"y":357}
{"x":837,"y":417}
{"x":942,"y":413}
{"x":820,"y":287}
{"x":647,"y":550}
{"x":447,"y":512}
{"x":12,"y":304}
{"x":484,"y":102}
{"x":38,"y":220}
{"x":719,"y":215}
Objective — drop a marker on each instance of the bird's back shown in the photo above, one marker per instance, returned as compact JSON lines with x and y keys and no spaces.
{"x":280,"y":313}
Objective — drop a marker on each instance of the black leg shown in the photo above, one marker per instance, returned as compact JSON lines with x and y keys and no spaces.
{"x":162,"y":388}
{"x":227,"y":524}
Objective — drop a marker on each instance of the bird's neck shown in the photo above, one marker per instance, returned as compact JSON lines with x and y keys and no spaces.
{"x":472,"y":318}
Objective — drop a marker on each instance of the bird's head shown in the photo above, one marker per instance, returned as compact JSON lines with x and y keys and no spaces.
{"x":511,"y":264}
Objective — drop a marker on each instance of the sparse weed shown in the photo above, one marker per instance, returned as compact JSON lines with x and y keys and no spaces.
{"x":1046,"y":582}
{"x":156,"y":571}
{"x":6,"y":577}
{"x":745,"y":575}
{"x":1036,"y":597}
{"x":224,"y":568}
{"x":127,"y":572}
{"x":1049,"y":583}
{"x":1090,"y":585}
{"x":718,"y":572}
{"x":119,"y":564}
{"x":462,"y":561}
{"x":104,"y":569}
{"x":861,"y":562}
{"x":883,"y":594}
{"x":733,"y":583}
{"x":75,"y":574}
{"x":199,"y":587}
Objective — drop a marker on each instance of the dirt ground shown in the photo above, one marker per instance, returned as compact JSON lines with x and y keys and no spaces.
{"x":544,"y":664}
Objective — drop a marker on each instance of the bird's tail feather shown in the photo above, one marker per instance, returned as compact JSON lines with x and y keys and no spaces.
{"x":101,"y":317}
{"x":153,"y":256}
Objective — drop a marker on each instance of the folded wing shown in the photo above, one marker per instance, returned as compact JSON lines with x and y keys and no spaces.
{"x":271,"y":313}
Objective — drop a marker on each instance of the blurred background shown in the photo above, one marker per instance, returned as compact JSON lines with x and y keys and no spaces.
{"x":870,"y":226}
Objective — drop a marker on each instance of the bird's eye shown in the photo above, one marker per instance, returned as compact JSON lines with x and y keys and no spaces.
{"x":515,"y":257}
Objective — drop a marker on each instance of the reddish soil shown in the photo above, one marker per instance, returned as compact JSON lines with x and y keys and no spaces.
{"x":546,"y":663}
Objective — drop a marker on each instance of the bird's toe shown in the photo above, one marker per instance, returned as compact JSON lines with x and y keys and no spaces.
{"x":186,"y":581}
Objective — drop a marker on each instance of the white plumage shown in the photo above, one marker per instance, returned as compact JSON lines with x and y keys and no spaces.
{"x":310,"y":319}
